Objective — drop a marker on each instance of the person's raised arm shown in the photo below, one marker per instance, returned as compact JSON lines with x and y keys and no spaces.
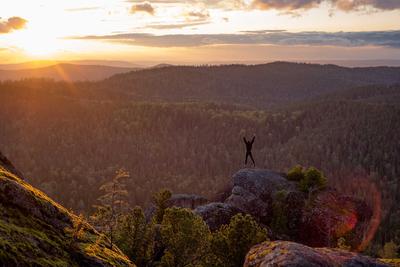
{"x":244,"y":139}
{"x":252,"y":140}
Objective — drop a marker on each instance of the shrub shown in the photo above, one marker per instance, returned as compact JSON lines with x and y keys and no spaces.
{"x":230,"y":244}
{"x":313,"y":180}
{"x":279,"y":213}
{"x":389,"y":250}
{"x":160,"y":200}
{"x":296,"y":174}
{"x":135,"y":237}
{"x":185,"y":237}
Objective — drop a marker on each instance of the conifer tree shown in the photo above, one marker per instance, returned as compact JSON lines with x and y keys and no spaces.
{"x":112,"y":204}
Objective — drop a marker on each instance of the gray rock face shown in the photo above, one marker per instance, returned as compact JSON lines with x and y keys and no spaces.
{"x":14,"y":193}
{"x":284,"y":253}
{"x":254,"y":189}
{"x":186,"y":201}
{"x":252,"y":193}
{"x":217,"y":214}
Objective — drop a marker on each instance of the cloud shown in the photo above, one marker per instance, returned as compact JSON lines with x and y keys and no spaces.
{"x":348,"y":5}
{"x":176,"y":25}
{"x":12,"y":24}
{"x":78,"y":9}
{"x":344,"y":5}
{"x":219,"y":4}
{"x":198,"y":14}
{"x":340,"y":39}
{"x":286,"y":4}
{"x":143,"y":7}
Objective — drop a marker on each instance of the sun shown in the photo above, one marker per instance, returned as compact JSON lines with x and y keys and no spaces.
{"x":37,"y":43}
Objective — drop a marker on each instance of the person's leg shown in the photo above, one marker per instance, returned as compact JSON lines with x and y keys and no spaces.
{"x":251,"y":157}
{"x":247,"y":155}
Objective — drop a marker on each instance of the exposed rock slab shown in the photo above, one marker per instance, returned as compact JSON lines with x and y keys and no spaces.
{"x":254,"y":189}
{"x":216,"y":214}
{"x":290,"y":254}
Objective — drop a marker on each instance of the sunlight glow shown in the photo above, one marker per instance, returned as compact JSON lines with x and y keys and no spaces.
{"x":36,"y":43}
{"x":53,"y":29}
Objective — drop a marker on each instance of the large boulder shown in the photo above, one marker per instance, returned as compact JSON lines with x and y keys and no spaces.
{"x":216,"y":214}
{"x":254,"y":189}
{"x":284,"y":253}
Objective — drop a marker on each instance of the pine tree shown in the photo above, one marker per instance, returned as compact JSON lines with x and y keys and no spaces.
{"x":112,"y":204}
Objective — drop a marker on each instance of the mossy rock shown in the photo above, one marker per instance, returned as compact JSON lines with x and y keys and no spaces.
{"x":36,"y":231}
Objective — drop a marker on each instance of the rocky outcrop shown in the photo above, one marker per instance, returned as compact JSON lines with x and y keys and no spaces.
{"x":253,"y":192}
{"x":217,"y":214}
{"x":267,"y":195}
{"x":284,"y":253}
{"x":6,"y":164}
{"x":36,"y":231}
{"x":186,"y":201}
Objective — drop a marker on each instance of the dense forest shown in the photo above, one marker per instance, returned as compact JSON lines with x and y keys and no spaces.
{"x":181,"y":128}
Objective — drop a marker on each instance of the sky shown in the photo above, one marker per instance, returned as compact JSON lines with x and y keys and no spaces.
{"x":199,"y":31}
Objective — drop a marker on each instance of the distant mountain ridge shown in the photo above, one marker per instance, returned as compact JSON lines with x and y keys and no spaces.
{"x":65,"y":72}
{"x":47,"y":63}
{"x":257,"y":85}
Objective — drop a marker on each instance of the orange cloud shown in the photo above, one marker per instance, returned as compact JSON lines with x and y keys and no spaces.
{"x":143,"y":7}
{"x":12,"y":24}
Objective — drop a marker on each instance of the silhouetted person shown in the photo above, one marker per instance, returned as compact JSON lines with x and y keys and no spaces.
{"x":249,"y":146}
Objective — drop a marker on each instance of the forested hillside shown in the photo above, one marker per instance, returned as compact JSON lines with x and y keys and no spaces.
{"x":68,"y":139}
{"x":265,"y":85}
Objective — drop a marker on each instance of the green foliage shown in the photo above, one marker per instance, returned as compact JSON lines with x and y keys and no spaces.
{"x":160,"y":200}
{"x":313,"y":180}
{"x":135,"y":237}
{"x":279,"y":217}
{"x":296,"y":173}
{"x":185,"y":237}
{"x":389,"y":251}
{"x":167,"y":260}
{"x":309,"y":180}
{"x":230,"y":244}
{"x":342,"y":244}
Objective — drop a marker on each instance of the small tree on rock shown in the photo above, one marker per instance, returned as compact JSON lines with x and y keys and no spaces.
{"x":112,"y":204}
